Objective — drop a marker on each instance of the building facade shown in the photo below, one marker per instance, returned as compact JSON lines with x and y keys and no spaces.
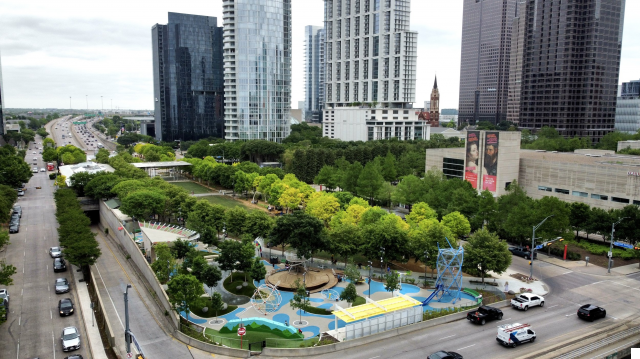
{"x":484,"y":66}
{"x":188,"y":78}
{"x":628,"y":108}
{"x":313,"y":73}
{"x":367,"y":124}
{"x":1,"y":100}
{"x":257,"y":69}
{"x":518,"y":31}
{"x":370,"y":53}
{"x":571,"y":65}
{"x":434,"y":105}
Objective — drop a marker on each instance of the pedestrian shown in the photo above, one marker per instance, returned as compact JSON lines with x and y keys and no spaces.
{"x":388,"y":269}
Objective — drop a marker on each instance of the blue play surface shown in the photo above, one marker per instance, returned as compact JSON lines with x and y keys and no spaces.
{"x":379,"y":287}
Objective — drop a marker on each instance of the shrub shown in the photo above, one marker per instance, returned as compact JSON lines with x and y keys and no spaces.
{"x":52,"y":176}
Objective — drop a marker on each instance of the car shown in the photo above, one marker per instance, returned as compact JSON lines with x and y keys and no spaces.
{"x":591,"y":312}
{"x":43,"y":169}
{"x":74,"y":356}
{"x":34,"y":152}
{"x":523,"y":252}
{"x":4,"y":295}
{"x":17,"y":209}
{"x":15,"y":219}
{"x":35,"y":170}
{"x":59,"y":265}
{"x":527,"y":300}
{"x":510,"y":335}
{"x":65,"y":307}
{"x":484,"y":314}
{"x":445,"y":355}
{"x":14,"y":228}
{"x":70,"y":339}
{"x":55,"y":252}
{"x":21,"y":192}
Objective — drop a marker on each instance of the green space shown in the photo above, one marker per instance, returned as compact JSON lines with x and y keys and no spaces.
{"x":206,"y":302}
{"x":192,"y":187}
{"x":224,"y":201}
{"x":316,"y":310}
{"x":274,"y":338}
{"x":238,"y":279}
{"x":359,"y":301}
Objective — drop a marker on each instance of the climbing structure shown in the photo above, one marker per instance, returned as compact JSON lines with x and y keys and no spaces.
{"x":449,"y":282}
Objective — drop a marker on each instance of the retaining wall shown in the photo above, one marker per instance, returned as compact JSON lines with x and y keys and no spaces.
{"x":210,"y":348}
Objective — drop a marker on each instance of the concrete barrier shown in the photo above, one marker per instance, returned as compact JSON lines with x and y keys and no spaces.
{"x":210,"y":348}
{"x":109,"y":331}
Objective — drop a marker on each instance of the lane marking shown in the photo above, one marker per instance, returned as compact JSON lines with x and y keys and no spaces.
{"x":447,"y":337}
{"x":553,"y":306}
{"x":504,"y":319}
{"x":567,"y":272}
{"x":466,"y":347}
{"x":377,"y":356}
{"x":19,"y":320}
{"x":53,"y":340}
{"x":51,"y":312}
{"x":614,"y":317}
{"x":625,"y":286}
{"x":18,"y":354}
{"x":109,"y":294}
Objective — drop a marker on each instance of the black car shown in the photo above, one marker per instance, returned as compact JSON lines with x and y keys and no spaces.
{"x":65,"y":307}
{"x":59,"y":265}
{"x":484,"y":314}
{"x":445,"y":355}
{"x":591,"y":312}
{"x":74,"y":356}
{"x":14,"y":228}
{"x":15,"y":219}
{"x":62,"y":285}
{"x":18,"y":210}
{"x":522,"y":252}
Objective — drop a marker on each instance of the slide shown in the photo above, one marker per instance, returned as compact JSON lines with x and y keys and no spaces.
{"x":439,"y":288}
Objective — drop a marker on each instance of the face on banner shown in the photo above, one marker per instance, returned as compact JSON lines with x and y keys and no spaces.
{"x":472,"y":157}
{"x":490,"y":161}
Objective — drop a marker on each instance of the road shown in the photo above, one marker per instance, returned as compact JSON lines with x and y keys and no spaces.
{"x":32,"y":330}
{"x":555,"y":322}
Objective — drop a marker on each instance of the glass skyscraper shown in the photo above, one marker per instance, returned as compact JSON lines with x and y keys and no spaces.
{"x":313,"y":72}
{"x":1,"y":100}
{"x":188,"y":78}
{"x":257,"y":69}
{"x":628,"y":108}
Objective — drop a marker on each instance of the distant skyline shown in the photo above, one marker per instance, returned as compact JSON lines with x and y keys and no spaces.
{"x":53,"y":50}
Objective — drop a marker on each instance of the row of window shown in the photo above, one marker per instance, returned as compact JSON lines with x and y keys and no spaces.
{"x":343,"y":70}
{"x":357,"y":7}
{"x":340,"y":90}
{"x":586,"y":195}
{"x":344,"y":47}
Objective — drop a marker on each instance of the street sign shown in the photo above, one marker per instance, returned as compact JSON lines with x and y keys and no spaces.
{"x":609,"y":254}
{"x":540,"y":246}
{"x":129,"y":355}
{"x":242,"y":331}
{"x":623,"y":245}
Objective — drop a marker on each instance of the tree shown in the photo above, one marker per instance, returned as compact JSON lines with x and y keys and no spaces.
{"x":210,"y":276}
{"x":487,"y":208}
{"x":579,"y":216}
{"x":290,"y":199}
{"x":165,"y":263}
{"x":101,"y":185}
{"x":258,"y":224}
{"x":323,"y":206}
{"x":181,"y":248}
{"x":457,"y":223}
{"x":328,"y":176}
{"x":485,"y":252}
{"x":235,"y":256}
{"x":216,"y":304}
{"x":409,"y":190}
{"x":420,"y":212}
{"x":386,"y":193}
{"x":184,"y":291}
{"x":61,"y":181}
{"x":79,"y":180}
{"x":306,"y":233}
{"x":351,"y":272}
{"x":370,"y":180}
{"x":389,"y":172}
{"x":50,"y":154}
{"x":84,"y":251}
{"x":351,"y":176}
{"x":235,"y":220}
{"x":392,"y":282}
{"x":389,"y":232}
{"x":6,"y":271}
{"x":42,"y":132}
{"x":258,"y":271}
{"x":142,"y":204}
{"x":4,"y":238}
{"x":102,"y":156}
{"x":428,"y":236}
{"x":300,"y":300}
{"x":349,"y":294}
{"x":13,"y":170}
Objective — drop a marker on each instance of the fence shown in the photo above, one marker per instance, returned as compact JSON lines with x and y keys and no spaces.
{"x":381,"y":324}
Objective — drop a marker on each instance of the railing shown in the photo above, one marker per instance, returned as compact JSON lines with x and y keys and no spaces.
{"x":578,"y":353}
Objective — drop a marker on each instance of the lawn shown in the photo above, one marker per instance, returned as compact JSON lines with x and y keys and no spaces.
{"x":233,"y":340}
{"x":192,"y":187}
{"x":206,"y":302}
{"x":359,"y":301}
{"x":316,"y":310}
{"x":224,"y":201}
{"x":238,"y":279}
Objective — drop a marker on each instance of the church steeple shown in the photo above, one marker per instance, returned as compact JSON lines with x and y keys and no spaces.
{"x":435,"y":83}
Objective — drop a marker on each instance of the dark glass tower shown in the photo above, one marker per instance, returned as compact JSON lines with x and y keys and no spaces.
{"x":188,"y":78}
{"x":484,"y":65}
{"x":570,"y":66}
{"x":1,"y":102}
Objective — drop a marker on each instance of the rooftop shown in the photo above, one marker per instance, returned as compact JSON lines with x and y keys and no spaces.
{"x":582,"y":158}
{"x":161,"y":164}
{"x":90,"y":167}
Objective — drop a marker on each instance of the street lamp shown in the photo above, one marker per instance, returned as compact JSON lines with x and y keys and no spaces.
{"x":370,"y":269}
{"x":381,"y":262}
{"x":426,"y":258}
{"x":613,"y":229}
{"x":127,"y":332}
{"x":533,"y":244}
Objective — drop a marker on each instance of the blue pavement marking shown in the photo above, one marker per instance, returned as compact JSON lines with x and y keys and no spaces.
{"x":341,"y":324}
{"x":270,"y":265}
{"x":316,"y":300}
{"x":193,"y":319}
{"x":281,"y":318}
{"x":310,"y":331}
{"x":379,"y":287}
{"x":232,"y":315}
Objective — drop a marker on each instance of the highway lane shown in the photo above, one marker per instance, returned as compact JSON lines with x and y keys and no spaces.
{"x":34,"y":326}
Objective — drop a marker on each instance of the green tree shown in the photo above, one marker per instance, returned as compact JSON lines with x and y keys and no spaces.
{"x":351,"y":176}
{"x":457,"y":224}
{"x":409,"y":190}
{"x":258,"y":271}
{"x":184,"y":292}
{"x":6,"y":271}
{"x":389,"y":232}
{"x":300,"y":300}
{"x":389,"y":168}
{"x":165,"y":262}
{"x":487,"y":208}
{"x":50,"y":154}
{"x":4,"y":238}
{"x":349,"y":294}
{"x":391,"y":282}
{"x":258,"y":224}
{"x":210,"y":276}
{"x":420,"y":212}
{"x":306,"y":233}
{"x":327,"y":177}
{"x":61,"y":181}
{"x":579,"y":216}
{"x":207,"y":219}
{"x":370,"y":181}
{"x":142,"y":204}
{"x":79,"y":180}
{"x":13,"y":170}
{"x":345,"y":240}
{"x":181,"y":248}
{"x":84,"y":251}
{"x":351,"y":272}
{"x":323,"y":206}
{"x":42,"y":132}
{"x":485,"y":252}
{"x":385,"y":194}
{"x":101,"y":185}
{"x":102,"y":156}
{"x":216,"y":304}
{"x":235,"y":220}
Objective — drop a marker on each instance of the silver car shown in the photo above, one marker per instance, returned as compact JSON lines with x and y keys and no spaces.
{"x":70,"y":339}
{"x":4,"y":294}
{"x":62,"y":285}
{"x":55,"y":252}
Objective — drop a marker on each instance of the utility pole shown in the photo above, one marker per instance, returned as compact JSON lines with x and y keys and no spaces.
{"x":426,"y":258}
{"x":613,"y":229}
{"x":381,"y":262}
{"x":370,"y":269}
{"x":127,"y":332}
{"x":533,"y":245}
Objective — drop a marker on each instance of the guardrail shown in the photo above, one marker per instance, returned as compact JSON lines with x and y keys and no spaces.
{"x":578,"y":353}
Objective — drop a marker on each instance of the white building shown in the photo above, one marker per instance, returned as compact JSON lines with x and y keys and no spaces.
{"x":448,"y":118}
{"x":366,"y":124}
{"x":313,"y":72}
{"x":90,"y":167}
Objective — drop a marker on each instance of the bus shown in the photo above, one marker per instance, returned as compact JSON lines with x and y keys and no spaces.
{"x":50,"y":166}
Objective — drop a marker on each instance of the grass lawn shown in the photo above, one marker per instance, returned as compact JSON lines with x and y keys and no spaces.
{"x":206,"y":302}
{"x":224,"y":201}
{"x":192,"y":187}
{"x":238,"y":279}
{"x":233,"y":340}
{"x":359,"y":301}
{"x":319,"y":311}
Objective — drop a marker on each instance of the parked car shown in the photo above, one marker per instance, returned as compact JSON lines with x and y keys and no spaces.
{"x":65,"y":307}
{"x":15,"y":219}
{"x":70,"y":339}
{"x":55,"y":252}
{"x":445,"y":355}
{"x":14,"y":228}
{"x":21,"y":192}
{"x":523,"y":252}
{"x":591,"y":312}
{"x":59,"y":265}
{"x":484,"y":314}
{"x":62,"y":285}
{"x":4,"y":295}
{"x":74,"y":356}
{"x":43,"y":169}
{"x":527,"y":300}
{"x":17,"y":209}
{"x":511,"y":335}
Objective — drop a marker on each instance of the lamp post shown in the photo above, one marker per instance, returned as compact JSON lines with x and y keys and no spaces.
{"x":370,"y":269}
{"x":381,"y":262}
{"x":426,"y":258}
{"x":533,"y":244}
{"x":127,"y":332}
{"x":613,"y":229}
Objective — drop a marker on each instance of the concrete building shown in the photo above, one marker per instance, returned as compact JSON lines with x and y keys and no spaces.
{"x":257,"y":69}
{"x":447,"y":132}
{"x":598,"y":178}
{"x":628,"y":108}
{"x":634,"y":145}
{"x":366,"y":124}
{"x":314,"y":41}
{"x":188,"y":78}
{"x":448,"y":118}
{"x":1,"y":100}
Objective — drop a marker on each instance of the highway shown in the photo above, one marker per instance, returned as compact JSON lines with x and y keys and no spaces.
{"x":34,"y":327}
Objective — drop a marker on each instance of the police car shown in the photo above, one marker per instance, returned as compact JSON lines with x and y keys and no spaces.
{"x":512,"y":335}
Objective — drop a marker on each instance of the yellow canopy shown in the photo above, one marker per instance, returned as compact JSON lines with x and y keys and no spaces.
{"x":373,"y":308}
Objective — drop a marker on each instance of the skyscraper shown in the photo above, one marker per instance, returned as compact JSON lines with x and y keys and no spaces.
{"x":370,"y":53}
{"x":188,"y":78}
{"x":570,"y":66}
{"x":313,"y":72}
{"x":1,"y":101}
{"x":484,"y":66}
{"x":518,"y":31}
{"x":628,"y":108}
{"x":257,"y":69}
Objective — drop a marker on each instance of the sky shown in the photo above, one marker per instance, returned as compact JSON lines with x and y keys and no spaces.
{"x":99,"y":52}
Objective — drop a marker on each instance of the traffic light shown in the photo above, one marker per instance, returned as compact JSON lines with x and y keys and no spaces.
{"x":561,"y":239}
{"x":550,"y":243}
{"x":530,"y":263}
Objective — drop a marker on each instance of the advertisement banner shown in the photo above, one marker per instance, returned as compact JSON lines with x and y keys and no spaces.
{"x":490,"y":162}
{"x":473,"y":154}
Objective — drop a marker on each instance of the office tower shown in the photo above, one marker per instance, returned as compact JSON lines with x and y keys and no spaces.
{"x":313,"y":72}
{"x":484,"y":66}
{"x":257,"y":70}
{"x":570,"y":66}
{"x":628,"y":108}
{"x":2,"y":130}
{"x":518,"y":31}
{"x":434,"y":105}
{"x":188,"y":78}
{"x":370,"y":53}
{"x":427,"y":105}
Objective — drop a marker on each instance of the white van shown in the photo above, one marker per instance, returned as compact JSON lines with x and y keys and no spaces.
{"x":511,"y":335}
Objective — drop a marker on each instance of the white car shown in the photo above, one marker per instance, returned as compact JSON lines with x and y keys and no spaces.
{"x":511,"y":335}
{"x":43,"y":170}
{"x":70,"y":339}
{"x":526,"y":300}
{"x":35,"y":170}
{"x":4,"y":294}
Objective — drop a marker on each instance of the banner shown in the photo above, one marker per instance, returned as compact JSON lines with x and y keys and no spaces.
{"x":471,"y":161}
{"x":490,"y":162}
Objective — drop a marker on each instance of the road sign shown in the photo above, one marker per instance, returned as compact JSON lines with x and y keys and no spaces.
{"x":540,"y":246}
{"x":623,"y":245}
{"x":129,"y":355}
{"x":242,"y":331}
{"x":609,"y":255}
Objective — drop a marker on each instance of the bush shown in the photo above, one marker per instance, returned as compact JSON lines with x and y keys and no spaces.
{"x":52,"y":176}
{"x":573,"y":256}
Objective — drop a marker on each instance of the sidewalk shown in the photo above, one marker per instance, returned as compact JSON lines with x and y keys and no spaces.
{"x":93,"y":339}
{"x":582,"y":267}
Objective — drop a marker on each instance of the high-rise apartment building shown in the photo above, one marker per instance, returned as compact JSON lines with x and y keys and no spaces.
{"x":2,"y":130}
{"x":484,"y":66}
{"x":313,"y":72}
{"x":257,"y":69}
{"x":370,"y":53}
{"x":188,"y":78}
{"x":570,"y":66}
{"x":628,"y":108}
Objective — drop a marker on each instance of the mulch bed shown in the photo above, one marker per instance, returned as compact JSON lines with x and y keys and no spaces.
{"x":599,"y":260}
{"x":521,"y":277}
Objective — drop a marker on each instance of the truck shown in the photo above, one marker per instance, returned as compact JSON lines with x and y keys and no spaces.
{"x":525,"y":301}
{"x":50,"y":166}
{"x":512,"y":335}
{"x":484,"y":314}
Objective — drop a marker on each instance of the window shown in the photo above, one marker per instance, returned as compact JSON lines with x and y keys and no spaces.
{"x":338,"y":28}
{"x":543,"y":188}
{"x":339,"y":8}
{"x":398,"y":132}
{"x":376,"y":46}
{"x":366,"y":24}
{"x":329,"y":92}
{"x":600,"y":197}
{"x":374,"y":69}
{"x":579,"y":194}
{"x":385,"y":90}
{"x":396,"y":67}
{"x":355,"y":91}
{"x":376,"y":5}
{"x":365,"y":69}
{"x":366,"y":47}
{"x":637,"y":203}
{"x":330,"y":30}
{"x":346,"y":92}
{"x":387,"y":21}
{"x":619,"y":200}
{"x":356,"y":48}
{"x":356,"y":71}
{"x":385,"y":67}
{"x":357,"y":6}
{"x":385,"y":47}
{"x":376,"y":23}
{"x":396,"y":44}
{"x":347,"y":27}
{"x":563,"y":191}
{"x":453,"y":167}
{"x":346,"y":70}
{"x":347,"y":49}
{"x":366,"y":5}
{"x":347,"y":10}
{"x":330,"y":51}
{"x":387,"y":4}
{"x":338,"y":68}
{"x":374,"y":91}
{"x":330,"y":72}
{"x":370,"y":131}
{"x":357,"y":26}
{"x":338,"y":92}
{"x":396,"y":90}
{"x":365,"y":91}
{"x":387,"y":132}
{"x":338,"y":50}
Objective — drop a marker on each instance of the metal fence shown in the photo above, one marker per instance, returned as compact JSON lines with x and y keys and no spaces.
{"x":383,"y":323}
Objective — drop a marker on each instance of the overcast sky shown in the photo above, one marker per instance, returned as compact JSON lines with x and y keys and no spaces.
{"x":52,"y":50}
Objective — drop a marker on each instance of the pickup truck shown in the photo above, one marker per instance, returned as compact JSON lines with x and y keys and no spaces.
{"x":483,"y":314}
{"x":526,"y":300}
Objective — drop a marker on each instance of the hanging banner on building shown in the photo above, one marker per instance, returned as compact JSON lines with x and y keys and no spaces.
{"x":490,"y":163}
{"x":473,"y":154}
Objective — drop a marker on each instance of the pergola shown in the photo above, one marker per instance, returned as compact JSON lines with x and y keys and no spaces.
{"x":152,"y":167}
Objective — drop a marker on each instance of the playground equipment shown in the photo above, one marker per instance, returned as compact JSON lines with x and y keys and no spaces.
{"x":330,"y":294}
{"x":266,"y":299}
{"x":449,"y":282}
